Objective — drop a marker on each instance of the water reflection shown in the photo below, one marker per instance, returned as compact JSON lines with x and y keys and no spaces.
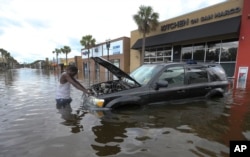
{"x":129,"y":131}
{"x":238,"y":116}
{"x":201,"y":127}
{"x":8,"y":77}
{"x":72,"y":120}
{"x":108,"y":136}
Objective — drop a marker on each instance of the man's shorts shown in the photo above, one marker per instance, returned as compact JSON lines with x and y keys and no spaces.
{"x":62,"y":103}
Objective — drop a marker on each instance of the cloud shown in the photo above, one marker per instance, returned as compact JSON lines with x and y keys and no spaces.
{"x":32,"y":29}
{"x":1,"y":32}
{"x":6,"y":22}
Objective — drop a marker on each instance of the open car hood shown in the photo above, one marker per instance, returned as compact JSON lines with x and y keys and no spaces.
{"x":113,"y":69}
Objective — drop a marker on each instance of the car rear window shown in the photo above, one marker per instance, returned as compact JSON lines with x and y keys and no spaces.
{"x":216,"y":73}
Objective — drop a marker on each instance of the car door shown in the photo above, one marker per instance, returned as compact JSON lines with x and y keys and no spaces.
{"x":198,"y":82}
{"x":176,"y":88}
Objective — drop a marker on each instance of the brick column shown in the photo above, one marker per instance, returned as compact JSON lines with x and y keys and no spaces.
{"x":79,"y":65}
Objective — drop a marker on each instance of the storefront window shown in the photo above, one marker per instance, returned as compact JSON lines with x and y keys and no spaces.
{"x":228,"y":55}
{"x":167,"y":53}
{"x":167,"y":59}
{"x":199,"y":52}
{"x":229,"y":68}
{"x":212,"y":55}
{"x":214,"y":44}
{"x":152,"y":60}
{"x":160,"y":59}
{"x":213,"y":51}
{"x":146,"y":60}
{"x":149,"y":54}
{"x":199,"y":46}
{"x":199,"y":55}
{"x":177,"y":54}
{"x":229,"y":51}
{"x":223,"y":52}
{"x":187,"y":52}
{"x":159,"y":53}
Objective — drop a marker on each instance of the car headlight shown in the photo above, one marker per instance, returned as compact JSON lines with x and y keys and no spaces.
{"x":93,"y":101}
{"x":99,"y":102}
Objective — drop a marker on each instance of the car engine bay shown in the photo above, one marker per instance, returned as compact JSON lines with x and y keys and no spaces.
{"x":109,"y":87}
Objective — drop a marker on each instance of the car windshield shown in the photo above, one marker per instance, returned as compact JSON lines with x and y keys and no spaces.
{"x":144,"y":73}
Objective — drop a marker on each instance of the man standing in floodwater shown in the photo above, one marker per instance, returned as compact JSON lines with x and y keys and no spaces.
{"x":63,"y":89}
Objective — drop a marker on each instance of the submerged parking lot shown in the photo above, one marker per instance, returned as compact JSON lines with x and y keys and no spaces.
{"x":31,"y":125}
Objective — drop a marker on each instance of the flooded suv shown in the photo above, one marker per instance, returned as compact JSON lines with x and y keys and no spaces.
{"x":158,"y":83}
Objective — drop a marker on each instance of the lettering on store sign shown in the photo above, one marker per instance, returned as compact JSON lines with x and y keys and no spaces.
{"x":186,"y":22}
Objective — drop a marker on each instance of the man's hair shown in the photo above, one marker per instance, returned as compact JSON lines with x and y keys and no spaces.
{"x":73,"y":68}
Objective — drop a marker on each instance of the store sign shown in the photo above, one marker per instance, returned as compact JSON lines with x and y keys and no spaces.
{"x":186,"y":22}
{"x":116,"y":49}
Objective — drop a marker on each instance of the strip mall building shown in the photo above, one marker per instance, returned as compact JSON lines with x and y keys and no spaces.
{"x":219,"y":33}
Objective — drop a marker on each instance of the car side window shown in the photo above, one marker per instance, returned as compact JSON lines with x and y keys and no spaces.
{"x":174,"y":76}
{"x":197,"y":75}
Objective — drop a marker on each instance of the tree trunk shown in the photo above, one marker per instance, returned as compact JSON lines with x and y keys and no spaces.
{"x":88,"y":68}
{"x":66,"y":59}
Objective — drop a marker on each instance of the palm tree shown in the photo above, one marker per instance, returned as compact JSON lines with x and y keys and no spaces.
{"x":66,"y":50}
{"x":147,"y":21}
{"x":57,"y":51}
{"x":88,"y":42}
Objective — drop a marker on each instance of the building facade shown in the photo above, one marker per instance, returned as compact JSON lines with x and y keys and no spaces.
{"x":3,"y":63}
{"x":219,"y":33}
{"x":117,"y":52}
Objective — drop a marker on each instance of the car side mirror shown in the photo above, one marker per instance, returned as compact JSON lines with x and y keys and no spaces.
{"x":160,"y":84}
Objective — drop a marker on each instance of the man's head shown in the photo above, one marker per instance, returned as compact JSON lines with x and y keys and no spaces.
{"x":72,"y":70}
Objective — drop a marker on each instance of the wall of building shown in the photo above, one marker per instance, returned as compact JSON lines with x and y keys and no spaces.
{"x":200,"y":17}
{"x":78,"y":62}
{"x":135,"y":55}
{"x":119,"y":50}
{"x":126,"y":55}
{"x":63,"y":60}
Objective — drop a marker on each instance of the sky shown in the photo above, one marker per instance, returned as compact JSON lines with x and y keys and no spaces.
{"x":31,"y":29}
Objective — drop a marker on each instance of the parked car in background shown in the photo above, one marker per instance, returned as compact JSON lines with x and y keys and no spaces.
{"x":158,"y":83}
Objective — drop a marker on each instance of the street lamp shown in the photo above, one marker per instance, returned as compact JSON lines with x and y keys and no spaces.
{"x":108,"y":46}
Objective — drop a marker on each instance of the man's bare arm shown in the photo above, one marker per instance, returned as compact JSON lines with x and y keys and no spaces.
{"x":75,"y":83}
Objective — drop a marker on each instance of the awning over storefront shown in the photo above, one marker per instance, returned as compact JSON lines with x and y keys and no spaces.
{"x":223,"y":27}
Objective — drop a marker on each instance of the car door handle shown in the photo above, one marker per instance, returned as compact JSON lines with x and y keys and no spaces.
{"x":181,"y":91}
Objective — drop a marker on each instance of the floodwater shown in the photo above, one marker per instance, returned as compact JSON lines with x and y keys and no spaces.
{"x":32,"y":126}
